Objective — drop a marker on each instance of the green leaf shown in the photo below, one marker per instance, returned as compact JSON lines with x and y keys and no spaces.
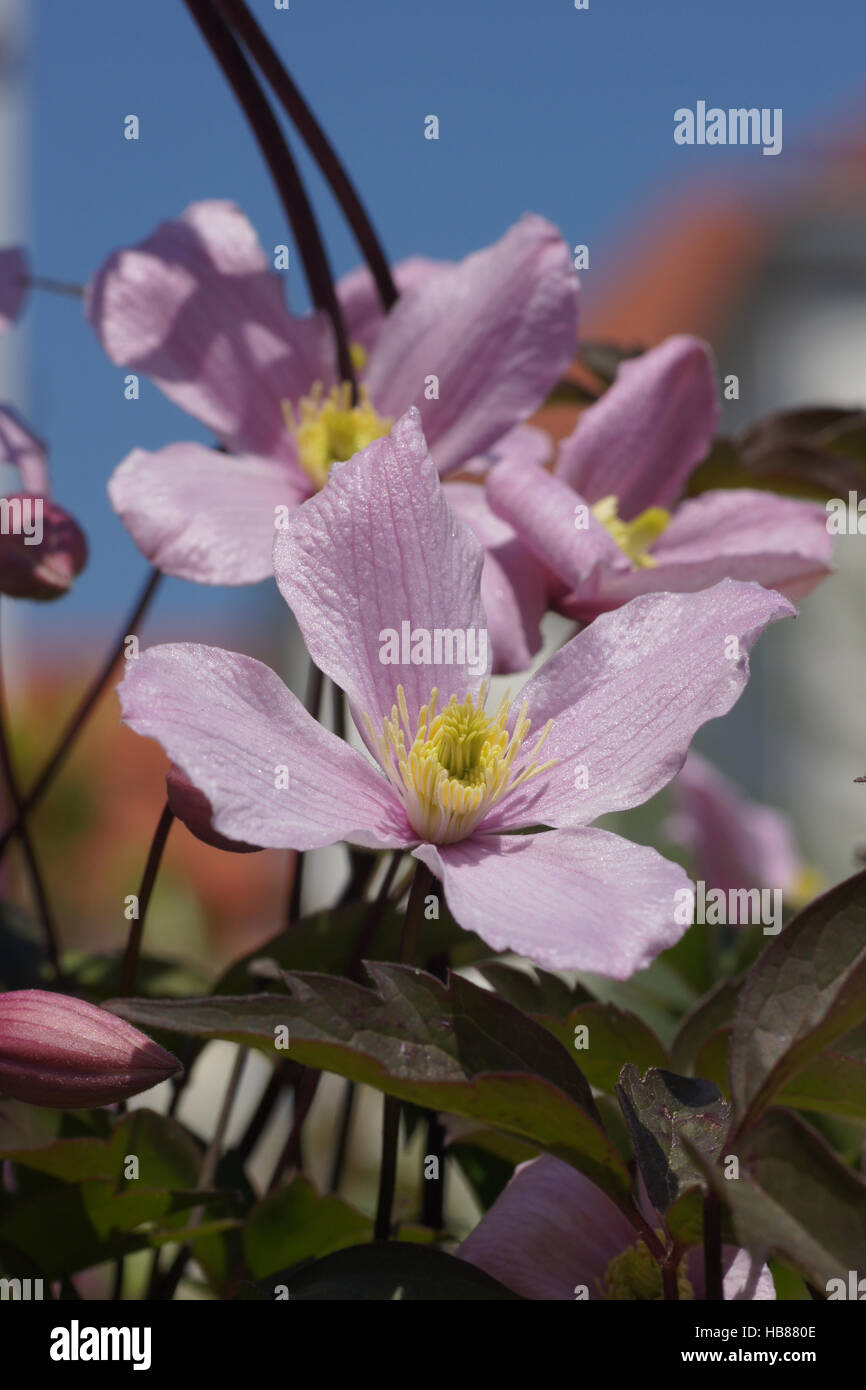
{"x":390,"y":1271}
{"x":710,"y":1014}
{"x":664,"y":1112}
{"x":99,"y":976}
{"x":832,"y":1084}
{"x":325,"y":943}
{"x":295,"y":1224}
{"x":613,"y":1034}
{"x":451,"y":1047}
{"x":533,"y":990}
{"x":806,"y":990}
{"x":795,"y":1200}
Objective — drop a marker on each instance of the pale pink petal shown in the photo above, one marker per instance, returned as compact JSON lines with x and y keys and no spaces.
{"x":648,"y":432}
{"x":360,"y":301}
{"x":14,"y":271}
{"x":548,"y":1232}
{"x":739,"y":533}
{"x":194,"y":810}
{"x":496,"y":331}
{"x":556,"y":524}
{"x":196,"y":308}
{"x":232,"y":727}
{"x":627,"y":695}
{"x":513,"y":583}
{"x":25,"y":451}
{"x":203,"y":515}
{"x":569,"y":899}
{"x":377,"y":548}
{"x":735,"y":843}
{"x":744,"y":1279}
{"x":522,"y":444}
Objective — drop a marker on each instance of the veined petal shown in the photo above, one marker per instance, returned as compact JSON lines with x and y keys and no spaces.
{"x":522,"y":444}
{"x":513,"y":583}
{"x":360,"y":302}
{"x":627,"y":695}
{"x":239,"y":735}
{"x":496,"y":330}
{"x":555,"y":523}
{"x":202,"y":515}
{"x":196,"y":308}
{"x":569,"y":899}
{"x":379,"y":548}
{"x":644,"y":437}
{"x":548,"y":1231}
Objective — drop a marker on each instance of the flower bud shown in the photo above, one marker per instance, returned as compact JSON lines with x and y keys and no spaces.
{"x":65,"y":1053}
{"x":42,"y":547}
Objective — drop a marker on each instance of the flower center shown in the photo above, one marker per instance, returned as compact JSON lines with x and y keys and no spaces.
{"x":635,"y":1276}
{"x":456,"y":764}
{"x":636,"y":537}
{"x":329,"y":429}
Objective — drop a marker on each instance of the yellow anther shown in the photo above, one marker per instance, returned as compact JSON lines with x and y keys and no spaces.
{"x":456,"y":764}
{"x":635,"y":538}
{"x":329,"y":429}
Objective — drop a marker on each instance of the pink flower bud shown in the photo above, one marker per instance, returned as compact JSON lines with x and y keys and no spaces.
{"x":42,"y":547}
{"x":64,"y":1053}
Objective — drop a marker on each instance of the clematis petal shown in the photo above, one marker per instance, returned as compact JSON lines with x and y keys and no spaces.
{"x":513,"y":583}
{"x":645,"y":436}
{"x":231,"y":726}
{"x":628,"y":694}
{"x":202,"y":515}
{"x":555,"y":523}
{"x":744,"y":1279}
{"x":360,"y":301}
{"x":736,"y":843}
{"x":14,"y":272}
{"x":377,"y":548}
{"x":193,"y":809}
{"x":196,"y":308}
{"x":25,"y":451}
{"x":496,"y":331}
{"x":569,"y":899}
{"x":522,"y":444}
{"x":550,"y":1230}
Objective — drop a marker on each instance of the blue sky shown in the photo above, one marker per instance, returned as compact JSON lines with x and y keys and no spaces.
{"x":540,"y":106}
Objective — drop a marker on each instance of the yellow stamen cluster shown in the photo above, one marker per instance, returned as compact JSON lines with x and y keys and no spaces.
{"x":636,"y":537}
{"x":330,"y":429}
{"x":635,"y":1276}
{"x":455,"y":765}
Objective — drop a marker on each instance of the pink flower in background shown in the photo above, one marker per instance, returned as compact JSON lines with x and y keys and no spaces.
{"x":734,"y":842}
{"x":42,"y":547}
{"x":374,"y":567}
{"x":476,"y":346}
{"x":608,"y":523}
{"x":65,"y":1053}
{"x":552,"y":1230}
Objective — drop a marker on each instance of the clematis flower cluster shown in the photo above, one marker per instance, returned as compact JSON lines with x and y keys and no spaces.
{"x":602,"y":726}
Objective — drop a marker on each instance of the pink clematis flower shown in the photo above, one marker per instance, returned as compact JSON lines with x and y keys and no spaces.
{"x":607,"y":521}
{"x":475,"y":346}
{"x":553,"y":1234}
{"x":42,"y":547}
{"x":734,"y":842}
{"x":385,"y":583}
